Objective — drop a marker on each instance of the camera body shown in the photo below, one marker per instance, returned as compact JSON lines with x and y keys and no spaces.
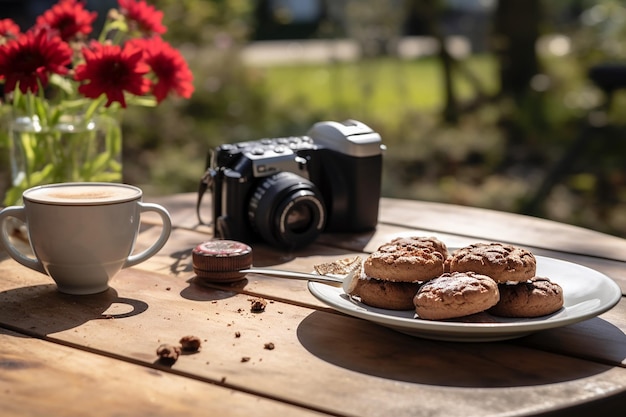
{"x":288,"y":190}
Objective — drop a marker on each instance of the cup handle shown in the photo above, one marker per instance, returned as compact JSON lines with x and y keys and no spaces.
{"x":165,"y":234}
{"x":18,"y":213}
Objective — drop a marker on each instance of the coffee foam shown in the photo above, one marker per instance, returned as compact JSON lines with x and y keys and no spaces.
{"x":82,"y":194}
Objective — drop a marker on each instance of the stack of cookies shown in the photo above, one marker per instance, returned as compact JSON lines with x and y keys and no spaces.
{"x":496,"y":275}
{"x":392,"y":275}
{"x":419,"y":273}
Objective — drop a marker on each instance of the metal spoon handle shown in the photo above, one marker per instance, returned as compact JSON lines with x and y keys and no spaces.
{"x":327,"y":279}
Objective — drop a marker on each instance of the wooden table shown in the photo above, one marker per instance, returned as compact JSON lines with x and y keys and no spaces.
{"x":95,"y":355}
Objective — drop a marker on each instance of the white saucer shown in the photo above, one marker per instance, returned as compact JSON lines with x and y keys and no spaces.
{"x":587,"y":293}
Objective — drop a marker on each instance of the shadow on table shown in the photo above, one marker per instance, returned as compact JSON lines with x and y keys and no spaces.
{"x":353,"y":344}
{"x":200,"y":290}
{"x":594,"y":339}
{"x":42,"y":310}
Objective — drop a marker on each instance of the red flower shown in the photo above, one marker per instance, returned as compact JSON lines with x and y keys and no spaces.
{"x":69,"y":18}
{"x":145,"y":17}
{"x":31,"y":58}
{"x":112,"y":70}
{"x":8,"y":28}
{"x":169,"y":67}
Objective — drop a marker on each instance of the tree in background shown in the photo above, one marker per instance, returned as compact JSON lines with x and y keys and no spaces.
{"x":514,"y":42}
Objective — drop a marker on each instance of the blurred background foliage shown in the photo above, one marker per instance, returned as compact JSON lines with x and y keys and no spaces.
{"x":481,"y":103}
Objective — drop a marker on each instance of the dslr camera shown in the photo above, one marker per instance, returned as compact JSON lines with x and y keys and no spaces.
{"x":287,"y":190}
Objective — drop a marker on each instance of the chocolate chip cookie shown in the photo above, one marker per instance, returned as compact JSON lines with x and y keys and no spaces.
{"x":533,"y":298}
{"x":501,"y":262}
{"x":455,"y":294}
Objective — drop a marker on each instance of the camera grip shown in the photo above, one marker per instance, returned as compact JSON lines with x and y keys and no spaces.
{"x":18,"y":213}
{"x":160,"y":242}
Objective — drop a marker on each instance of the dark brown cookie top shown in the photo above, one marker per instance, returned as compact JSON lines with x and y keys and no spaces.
{"x":394,"y":262}
{"x":458,"y":284}
{"x":533,"y":298}
{"x":500,"y":261}
{"x":455,"y":294}
{"x":537,"y":286}
{"x":426,"y":243}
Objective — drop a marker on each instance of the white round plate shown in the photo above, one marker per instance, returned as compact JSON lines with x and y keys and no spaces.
{"x":586,"y":293}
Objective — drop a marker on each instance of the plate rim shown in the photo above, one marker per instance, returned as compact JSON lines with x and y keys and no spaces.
{"x":470,"y":331}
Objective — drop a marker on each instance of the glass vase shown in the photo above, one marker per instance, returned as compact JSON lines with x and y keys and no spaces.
{"x":73,"y":149}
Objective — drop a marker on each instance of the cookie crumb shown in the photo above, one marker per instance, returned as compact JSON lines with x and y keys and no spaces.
{"x":190,"y":343}
{"x":168,"y":353}
{"x":245,"y":359}
{"x":269,"y":346}
{"x":237,"y":334}
{"x":258,"y":305}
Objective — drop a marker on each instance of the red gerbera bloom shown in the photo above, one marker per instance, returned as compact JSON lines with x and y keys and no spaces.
{"x":145,"y":17}
{"x":169,"y":67}
{"x":69,"y":17}
{"x":8,"y":28}
{"x":112,"y":70}
{"x":31,"y":58}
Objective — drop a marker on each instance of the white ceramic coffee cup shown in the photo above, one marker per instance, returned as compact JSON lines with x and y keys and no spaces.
{"x":82,"y":234}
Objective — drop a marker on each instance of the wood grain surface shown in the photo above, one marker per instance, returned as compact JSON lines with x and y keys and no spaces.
{"x":298,"y":357}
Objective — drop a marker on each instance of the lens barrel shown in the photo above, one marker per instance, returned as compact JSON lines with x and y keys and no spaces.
{"x":287,"y":210}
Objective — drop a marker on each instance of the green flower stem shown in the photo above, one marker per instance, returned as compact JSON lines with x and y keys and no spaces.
{"x":76,"y":148}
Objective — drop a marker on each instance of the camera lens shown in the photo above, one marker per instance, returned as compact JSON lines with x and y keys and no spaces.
{"x":287,"y":210}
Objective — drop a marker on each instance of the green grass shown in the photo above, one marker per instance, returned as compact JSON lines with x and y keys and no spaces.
{"x":383,"y":89}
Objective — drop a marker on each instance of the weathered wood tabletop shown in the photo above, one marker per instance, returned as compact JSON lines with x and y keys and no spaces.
{"x":95,"y":355}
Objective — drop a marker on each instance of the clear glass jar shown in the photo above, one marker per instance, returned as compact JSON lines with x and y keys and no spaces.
{"x":73,"y":149}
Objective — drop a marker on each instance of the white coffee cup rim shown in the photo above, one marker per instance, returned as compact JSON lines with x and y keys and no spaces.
{"x":31,"y":194}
